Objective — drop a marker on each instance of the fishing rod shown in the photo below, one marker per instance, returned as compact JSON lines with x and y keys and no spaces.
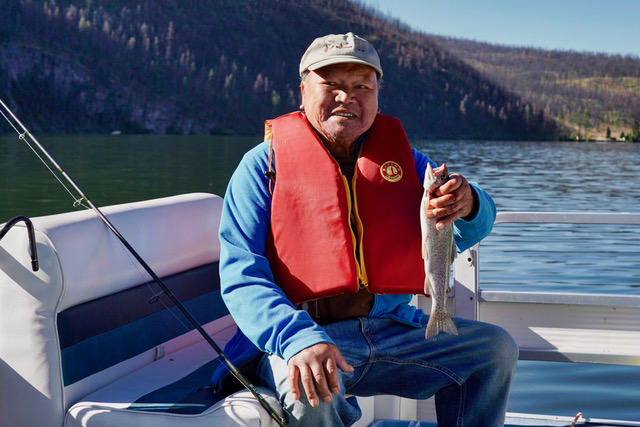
{"x":80,"y":201}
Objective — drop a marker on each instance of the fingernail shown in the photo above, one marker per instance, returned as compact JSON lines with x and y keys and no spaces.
{"x":328,"y":399}
{"x":314,"y":402}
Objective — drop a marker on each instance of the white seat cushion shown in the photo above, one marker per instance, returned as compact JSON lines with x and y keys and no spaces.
{"x":172,"y":391}
{"x":239,"y":409}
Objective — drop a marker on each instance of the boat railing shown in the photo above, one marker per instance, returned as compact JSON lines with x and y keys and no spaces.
{"x":558,"y":326}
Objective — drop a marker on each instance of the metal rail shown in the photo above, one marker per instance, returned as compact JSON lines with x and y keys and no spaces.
{"x":628,"y":218}
{"x":563,"y":326}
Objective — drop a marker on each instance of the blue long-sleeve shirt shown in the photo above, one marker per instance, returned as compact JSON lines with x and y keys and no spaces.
{"x":259,"y":307}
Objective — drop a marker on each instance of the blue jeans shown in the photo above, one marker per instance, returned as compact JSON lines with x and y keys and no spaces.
{"x":469,"y":374}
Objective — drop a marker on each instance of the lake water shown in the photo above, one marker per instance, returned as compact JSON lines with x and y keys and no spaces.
{"x":556,"y":177}
{"x":521,"y":176}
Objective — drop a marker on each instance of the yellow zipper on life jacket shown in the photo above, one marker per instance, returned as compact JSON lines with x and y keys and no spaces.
{"x":363,"y":280}
{"x":362,"y":276}
{"x":361,"y":272}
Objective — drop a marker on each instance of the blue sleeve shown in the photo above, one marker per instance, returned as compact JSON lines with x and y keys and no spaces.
{"x":259,"y":307}
{"x":466,"y":233}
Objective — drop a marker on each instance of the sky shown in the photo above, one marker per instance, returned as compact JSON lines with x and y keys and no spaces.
{"x":608,"y":26}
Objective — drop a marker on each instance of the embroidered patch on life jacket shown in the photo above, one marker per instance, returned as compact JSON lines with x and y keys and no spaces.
{"x":391,"y":171}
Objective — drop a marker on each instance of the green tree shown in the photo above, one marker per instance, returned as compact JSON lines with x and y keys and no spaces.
{"x":635,"y":131}
{"x":275,"y":98}
{"x":586,"y":120}
{"x":83,"y":24}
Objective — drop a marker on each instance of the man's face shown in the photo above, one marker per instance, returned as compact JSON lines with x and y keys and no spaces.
{"x":341,"y":101}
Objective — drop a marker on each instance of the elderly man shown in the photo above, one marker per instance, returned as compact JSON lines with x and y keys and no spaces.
{"x":320,"y":253}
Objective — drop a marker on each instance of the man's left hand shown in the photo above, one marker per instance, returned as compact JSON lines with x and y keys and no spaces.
{"x":453,"y":199}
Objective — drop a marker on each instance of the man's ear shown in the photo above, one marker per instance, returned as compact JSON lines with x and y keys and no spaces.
{"x":302,"y":95}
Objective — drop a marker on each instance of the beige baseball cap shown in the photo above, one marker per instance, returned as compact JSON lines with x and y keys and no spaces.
{"x":339,"y":48}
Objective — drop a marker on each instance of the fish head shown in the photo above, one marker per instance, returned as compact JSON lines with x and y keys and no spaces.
{"x":434,"y":178}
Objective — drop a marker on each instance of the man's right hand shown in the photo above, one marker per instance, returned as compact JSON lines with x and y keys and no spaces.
{"x":316,"y":367}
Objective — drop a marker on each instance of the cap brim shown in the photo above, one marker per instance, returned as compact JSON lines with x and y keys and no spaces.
{"x":343,"y":60}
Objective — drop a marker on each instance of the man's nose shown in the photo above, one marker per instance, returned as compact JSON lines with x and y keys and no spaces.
{"x":342,"y":96}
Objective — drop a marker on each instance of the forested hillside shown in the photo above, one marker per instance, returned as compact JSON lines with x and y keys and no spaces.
{"x":592,"y":95}
{"x":223,"y":66}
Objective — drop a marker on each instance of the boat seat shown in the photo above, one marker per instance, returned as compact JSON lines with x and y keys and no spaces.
{"x":170,"y":392}
{"x":173,"y":390}
{"x":90,"y":340}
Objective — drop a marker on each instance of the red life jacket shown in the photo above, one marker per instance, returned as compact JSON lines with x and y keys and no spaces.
{"x":311,"y":245}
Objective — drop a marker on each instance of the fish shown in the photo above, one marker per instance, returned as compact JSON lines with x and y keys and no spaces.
{"x":438,"y":252}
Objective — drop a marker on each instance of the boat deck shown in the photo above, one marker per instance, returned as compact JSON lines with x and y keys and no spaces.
{"x":136,"y":373}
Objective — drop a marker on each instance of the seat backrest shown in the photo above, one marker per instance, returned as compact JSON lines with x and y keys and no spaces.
{"x":66,"y":330}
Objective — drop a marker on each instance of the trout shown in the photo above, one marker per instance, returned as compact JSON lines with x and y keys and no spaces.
{"x":438,"y":252}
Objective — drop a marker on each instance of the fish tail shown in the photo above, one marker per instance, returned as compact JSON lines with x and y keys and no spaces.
{"x":440,"y":323}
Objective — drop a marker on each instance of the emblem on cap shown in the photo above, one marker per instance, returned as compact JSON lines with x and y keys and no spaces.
{"x":391,"y":171}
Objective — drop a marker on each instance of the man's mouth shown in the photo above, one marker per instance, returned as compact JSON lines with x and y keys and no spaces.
{"x":340,"y":114}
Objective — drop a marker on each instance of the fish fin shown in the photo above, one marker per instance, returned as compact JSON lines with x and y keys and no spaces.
{"x":427,"y":287}
{"x":454,"y":252}
{"x":439,"y":324}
